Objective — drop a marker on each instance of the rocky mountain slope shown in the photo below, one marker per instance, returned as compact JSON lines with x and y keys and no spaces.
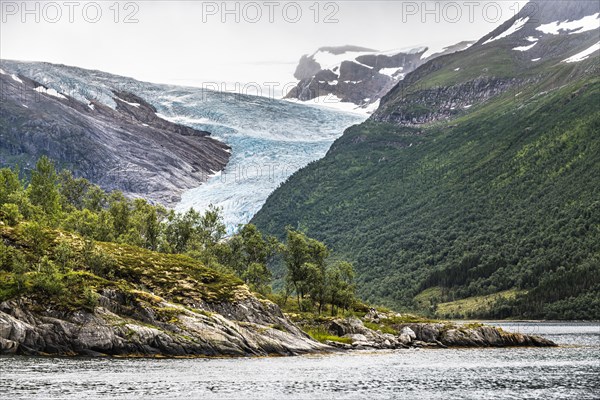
{"x":358,"y":75}
{"x":533,"y":46}
{"x":126,"y":147}
{"x":470,"y":191}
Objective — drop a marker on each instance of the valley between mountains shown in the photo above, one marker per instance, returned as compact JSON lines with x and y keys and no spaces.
{"x":143,"y":219}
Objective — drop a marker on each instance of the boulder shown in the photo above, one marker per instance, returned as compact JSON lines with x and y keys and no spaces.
{"x":405,"y":339}
{"x":408,"y":331}
{"x":372,"y":316}
{"x":8,"y":346}
{"x":357,"y":337}
{"x":348,"y":326}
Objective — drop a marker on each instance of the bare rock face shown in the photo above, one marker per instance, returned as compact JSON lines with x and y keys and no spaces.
{"x":441,"y":103}
{"x":129,"y":148}
{"x":356,"y":74}
{"x":437,"y":335}
{"x":452,"y":335}
{"x":252,"y":327}
{"x":306,"y":68}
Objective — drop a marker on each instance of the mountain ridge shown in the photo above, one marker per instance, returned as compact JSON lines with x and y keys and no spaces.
{"x":433,"y":197}
{"x":107,"y":145}
{"x":358,"y":75}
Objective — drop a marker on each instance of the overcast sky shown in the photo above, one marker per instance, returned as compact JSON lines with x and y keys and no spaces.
{"x":190,"y":42}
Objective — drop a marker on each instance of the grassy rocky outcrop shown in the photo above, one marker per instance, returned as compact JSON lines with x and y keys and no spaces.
{"x":390,"y":330}
{"x":61,"y":296}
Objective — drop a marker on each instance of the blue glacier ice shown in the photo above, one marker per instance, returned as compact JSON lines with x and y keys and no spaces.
{"x":270,"y":139}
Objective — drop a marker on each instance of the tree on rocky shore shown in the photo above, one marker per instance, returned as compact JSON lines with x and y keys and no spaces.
{"x":315,"y":279}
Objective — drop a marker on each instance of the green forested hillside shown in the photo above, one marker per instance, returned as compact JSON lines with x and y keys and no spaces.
{"x":503,"y":198}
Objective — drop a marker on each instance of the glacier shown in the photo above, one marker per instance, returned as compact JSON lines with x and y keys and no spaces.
{"x":270,"y":138}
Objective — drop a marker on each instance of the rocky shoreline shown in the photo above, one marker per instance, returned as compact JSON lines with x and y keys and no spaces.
{"x":245,"y":327}
{"x":430,"y":335}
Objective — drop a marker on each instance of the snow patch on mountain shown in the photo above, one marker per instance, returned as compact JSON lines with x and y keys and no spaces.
{"x":584,"y":55}
{"x":50,"y":92}
{"x":125,"y":101}
{"x":584,"y":24}
{"x":184,"y":120}
{"x":525,"y":48}
{"x":332,"y":61}
{"x":328,"y":60}
{"x":520,"y":23}
{"x":434,"y":49}
{"x":390,"y":71}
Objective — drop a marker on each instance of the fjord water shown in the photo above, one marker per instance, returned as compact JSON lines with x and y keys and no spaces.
{"x":570,"y":371}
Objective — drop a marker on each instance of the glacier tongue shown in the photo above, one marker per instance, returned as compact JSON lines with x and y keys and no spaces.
{"x":270,"y":139}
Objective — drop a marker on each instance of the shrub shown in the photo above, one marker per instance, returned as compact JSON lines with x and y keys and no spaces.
{"x":99,"y":262}
{"x":47,"y":279}
{"x":64,"y":256}
{"x":10,"y":214}
{"x":90,"y":299}
{"x":320,"y":334}
{"x":36,"y":237}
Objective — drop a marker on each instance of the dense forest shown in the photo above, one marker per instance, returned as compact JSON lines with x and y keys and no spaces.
{"x":492,"y":214}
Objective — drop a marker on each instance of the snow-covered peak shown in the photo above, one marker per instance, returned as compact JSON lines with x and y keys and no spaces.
{"x":331,"y":58}
{"x":331,"y":61}
{"x":353,"y":78}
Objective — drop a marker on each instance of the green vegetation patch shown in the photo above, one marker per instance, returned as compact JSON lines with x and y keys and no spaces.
{"x":321,"y":334}
{"x":476,"y":305}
